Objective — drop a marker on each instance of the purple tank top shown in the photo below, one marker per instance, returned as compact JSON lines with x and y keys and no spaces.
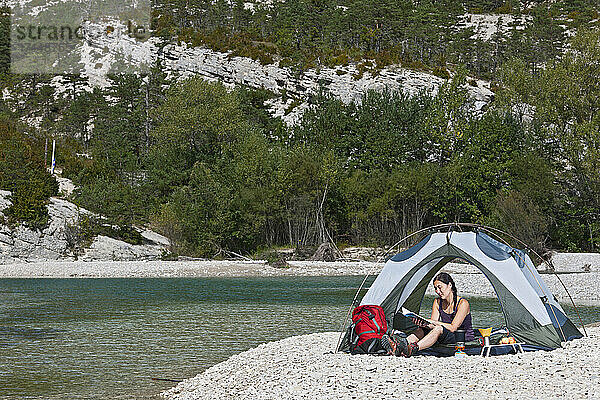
{"x":467,"y":324}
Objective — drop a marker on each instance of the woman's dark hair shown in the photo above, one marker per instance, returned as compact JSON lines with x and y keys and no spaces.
{"x":446,"y":278}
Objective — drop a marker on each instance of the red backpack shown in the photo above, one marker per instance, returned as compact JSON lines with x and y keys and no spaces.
{"x":369,"y":322}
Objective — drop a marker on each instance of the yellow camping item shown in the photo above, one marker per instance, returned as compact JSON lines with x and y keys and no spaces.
{"x":485,"y":332}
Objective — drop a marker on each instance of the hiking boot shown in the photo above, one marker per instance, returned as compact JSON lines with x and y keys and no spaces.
{"x":402,"y":347}
{"x":388,"y":344}
{"x":411,"y":350}
{"x":385,"y":343}
{"x":406,"y":349}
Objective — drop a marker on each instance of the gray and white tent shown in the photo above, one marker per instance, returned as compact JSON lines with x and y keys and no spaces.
{"x":532,"y":313}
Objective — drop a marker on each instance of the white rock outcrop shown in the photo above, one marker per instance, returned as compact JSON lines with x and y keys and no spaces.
{"x":485,"y":26}
{"x":106,"y":248}
{"x":343,"y":82}
{"x":574,"y":262}
{"x":365,"y":253}
{"x":21,"y":244}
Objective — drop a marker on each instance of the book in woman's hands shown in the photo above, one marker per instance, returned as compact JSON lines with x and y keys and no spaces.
{"x":416,"y":318}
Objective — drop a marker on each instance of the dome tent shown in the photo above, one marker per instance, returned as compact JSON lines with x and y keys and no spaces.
{"x":532,"y":313}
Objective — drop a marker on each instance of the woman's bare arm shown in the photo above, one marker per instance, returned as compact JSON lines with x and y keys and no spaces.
{"x":435,"y":310}
{"x":435,"y":314}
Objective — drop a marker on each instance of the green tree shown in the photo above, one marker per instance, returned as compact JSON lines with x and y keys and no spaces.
{"x":22,"y":172}
{"x":80,"y":114}
{"x":198,"y":122}
{"x":4,"y":40}
{"x":114,"y":126}
{"x":215,"y":171}
{"x":565,"y":111}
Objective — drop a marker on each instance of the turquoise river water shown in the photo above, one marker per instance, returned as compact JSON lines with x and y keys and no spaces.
{"x":106,"y":338}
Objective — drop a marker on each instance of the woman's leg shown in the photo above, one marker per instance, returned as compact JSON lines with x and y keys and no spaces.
{"x":417,"y":335}
{"x":408,"y":346}
{"x":430,"y":338}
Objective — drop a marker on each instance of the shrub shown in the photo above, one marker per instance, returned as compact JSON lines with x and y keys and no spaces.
{"x":121,"y":203}
{"x":80,"y":234}
{"x":295,"y":103}
{"x":274,"y":258}
{"x":340,"y":59}
{"x":441,"y":72}
{"x":28,"y":205}
{"x":506,"y":8}
{"x":127,"y":234}
{"x":22,"y":172}
{"x":521,"y":217}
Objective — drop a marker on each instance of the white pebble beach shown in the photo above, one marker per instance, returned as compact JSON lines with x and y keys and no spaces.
{"x":304,"y":367}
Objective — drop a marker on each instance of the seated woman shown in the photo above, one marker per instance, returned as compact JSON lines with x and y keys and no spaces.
{"x":448,"y":314}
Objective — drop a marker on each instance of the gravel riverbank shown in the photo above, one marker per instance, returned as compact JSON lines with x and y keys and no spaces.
{"x":303,"y":367}
{"x":167,"y":269}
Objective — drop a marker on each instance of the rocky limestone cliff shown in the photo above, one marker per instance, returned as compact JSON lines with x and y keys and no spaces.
{"x":19,"y":243}
{"x":104,"y":51}
{"x":100,"y":53}
{"x":343,"y":82}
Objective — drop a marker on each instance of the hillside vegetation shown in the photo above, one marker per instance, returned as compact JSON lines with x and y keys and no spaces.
{"x":211,"y":169}
{"x":430,"y":35}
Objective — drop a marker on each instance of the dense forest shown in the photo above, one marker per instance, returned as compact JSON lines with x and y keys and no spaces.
{"x":210,"y":168}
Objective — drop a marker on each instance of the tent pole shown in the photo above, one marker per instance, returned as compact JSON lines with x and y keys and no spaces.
{"x":572,"y":302}
{"x":529,"y":268}
{"x":342,"y":332}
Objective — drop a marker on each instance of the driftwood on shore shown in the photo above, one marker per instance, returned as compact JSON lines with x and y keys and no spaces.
{"x":326,"y":252}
